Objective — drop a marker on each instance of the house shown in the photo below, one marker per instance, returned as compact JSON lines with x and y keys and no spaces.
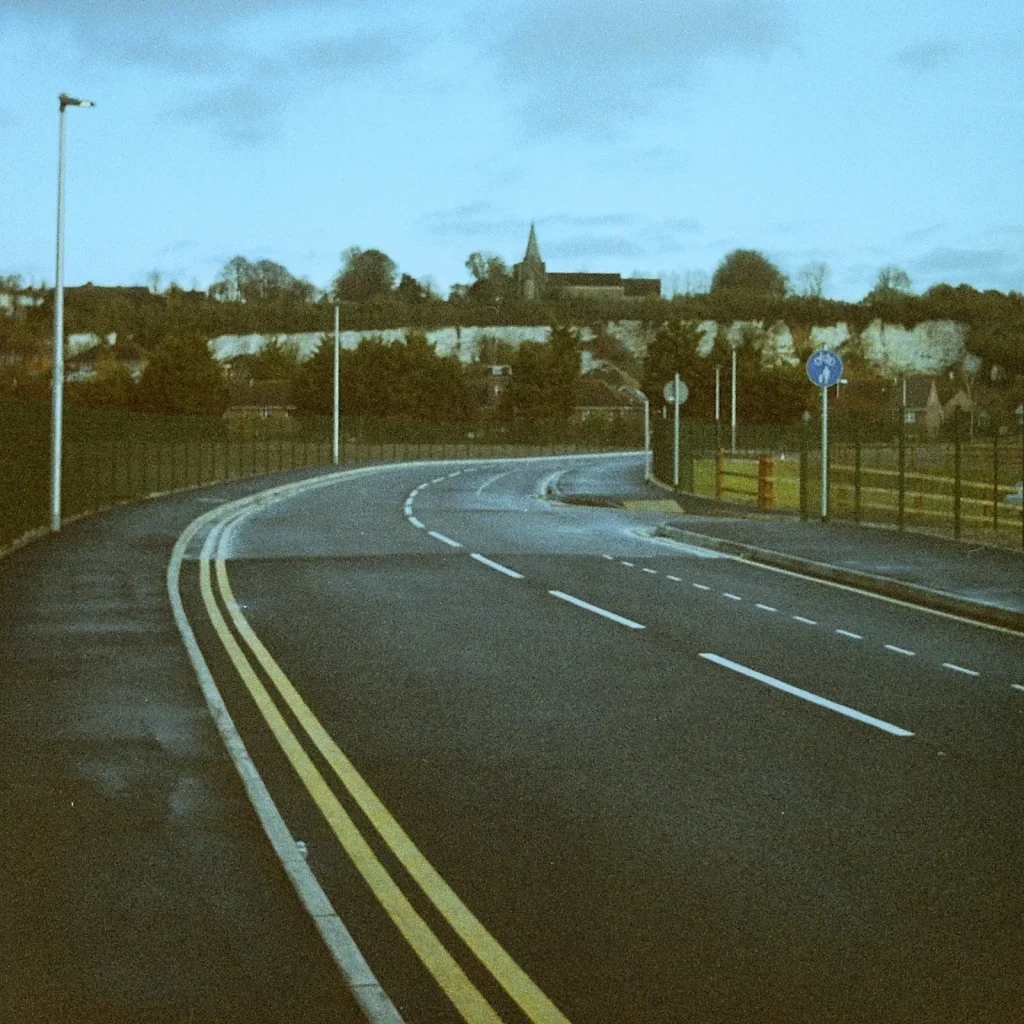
{"x":259,"y":408}
{"x":534,"y":281}
{"x":928,"y":402}
{"x":88,"y":364}
{"x":600,"y":398}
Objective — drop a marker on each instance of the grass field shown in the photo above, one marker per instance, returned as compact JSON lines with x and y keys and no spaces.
{"x":928,"y":500}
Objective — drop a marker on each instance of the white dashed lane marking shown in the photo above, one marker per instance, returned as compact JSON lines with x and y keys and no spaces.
{"x":809,"y":622}
{"x":674,"y":579}
{"x":766,"y":608}
{"x":700,"y":586}
{"x":652,"y":572}
{"x":960,"y":668}
{"x":595,"y":609}
{"x":732,"y":597}
{"x":900,"y":650}
{"x":497,"y":566}
{"x":443,"y":539}
{"x":415,"y":522}
{"x":813,"y":698}
{"x":847,"y":633}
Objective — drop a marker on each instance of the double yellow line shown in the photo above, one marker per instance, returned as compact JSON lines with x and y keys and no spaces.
{"x":451,"y":978}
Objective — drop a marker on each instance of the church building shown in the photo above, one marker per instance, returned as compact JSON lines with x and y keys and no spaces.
{"x":534,"y":281}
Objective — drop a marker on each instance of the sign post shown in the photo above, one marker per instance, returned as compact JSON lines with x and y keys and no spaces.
{"x":676,"y":392}
{"x":824,"y":368}
{"x":335,"y":457}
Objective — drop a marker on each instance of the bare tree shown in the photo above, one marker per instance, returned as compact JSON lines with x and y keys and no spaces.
{"x":811,"y":279}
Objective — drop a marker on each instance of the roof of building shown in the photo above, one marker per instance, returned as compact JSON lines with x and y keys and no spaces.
{"x":581,"y":280}
{"x":532,"y":248}
{"x":642,"y":285}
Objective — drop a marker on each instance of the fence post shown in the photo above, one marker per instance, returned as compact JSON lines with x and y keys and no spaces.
{"x":719,"y":472}
{"x":856,"y":473}
{"x":956,"y":473}
{"x":901,"y":464}
{"x":765,"y":473}
{"x":995,"y":480}
{"x":803,"y":469}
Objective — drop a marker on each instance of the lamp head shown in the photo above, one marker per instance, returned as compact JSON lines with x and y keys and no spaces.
{"x":70,"y":101}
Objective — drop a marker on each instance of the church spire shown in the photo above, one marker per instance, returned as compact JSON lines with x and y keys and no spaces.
{"x":532,"y":249}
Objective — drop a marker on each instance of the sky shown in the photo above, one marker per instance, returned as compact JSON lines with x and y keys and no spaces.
{"x":644,"y":137}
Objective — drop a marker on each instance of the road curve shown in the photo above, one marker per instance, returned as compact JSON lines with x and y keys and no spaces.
{"x":548,"y":766}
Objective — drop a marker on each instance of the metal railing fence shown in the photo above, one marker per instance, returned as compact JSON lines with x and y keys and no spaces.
{"x":954,"y":487}
{"x":114,"y":458}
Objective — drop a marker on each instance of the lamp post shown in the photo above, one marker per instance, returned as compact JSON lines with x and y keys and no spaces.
{"x":337,"y":421}
{"x":647,"y":433}
{"x":57,"y":390}
{"x":732,"y":446}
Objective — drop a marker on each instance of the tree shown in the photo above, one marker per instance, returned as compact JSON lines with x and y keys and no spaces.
{"x":673,"y":350}
{"x":276,"y":360}
{"x":812,"y":279}
{"x":365,"y":275}
{"x":492,"y":280}
{"x":545,"y":377}
{"x":892,"y":282}
{"x":263,"y":281}
{"x":410,"y":291}
{"x":182,"y":377}
{"x":746,"y":270}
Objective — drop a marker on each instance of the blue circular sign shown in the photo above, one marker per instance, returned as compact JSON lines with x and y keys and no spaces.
{"x":824,"y":368}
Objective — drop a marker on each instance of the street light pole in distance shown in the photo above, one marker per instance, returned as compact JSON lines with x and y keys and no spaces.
{"x":57,"y":388}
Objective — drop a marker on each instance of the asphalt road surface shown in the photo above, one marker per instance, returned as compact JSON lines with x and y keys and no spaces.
{"x":548,"y":767}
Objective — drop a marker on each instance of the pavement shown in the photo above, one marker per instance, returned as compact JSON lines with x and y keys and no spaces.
{"x":978,"y":582}
{"x":137,"y":884}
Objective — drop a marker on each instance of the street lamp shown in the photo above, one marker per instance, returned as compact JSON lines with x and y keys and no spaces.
{"x":58,"y":323}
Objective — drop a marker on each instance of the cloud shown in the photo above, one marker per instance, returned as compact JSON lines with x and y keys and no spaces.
{"x":924,"y":57}
{"x":971,"y":264}
{"x":473,"y":220}
{"x":237,"y":75}
{"x":247,"y":110}
{"x":920,"y":234}
{"x":588,"y":220}
{"x":243,"y":114}
{"x":593,"y":246}
{"x":582,"y":69}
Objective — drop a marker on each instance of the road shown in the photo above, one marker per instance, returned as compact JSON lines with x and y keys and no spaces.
{"x":549,"y":767}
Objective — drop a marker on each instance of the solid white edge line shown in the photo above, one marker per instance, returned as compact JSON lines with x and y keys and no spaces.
{"x":443,"y":539}
{"x":497,"y":565}
{"x":900,"y":650}
{"x":365,"y":987}
{"x":595,"y":609}
{"x":960,"y":668}
{"x":855,"y":590}
{"x":415,"y":522}
{"x":795,"y":691}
